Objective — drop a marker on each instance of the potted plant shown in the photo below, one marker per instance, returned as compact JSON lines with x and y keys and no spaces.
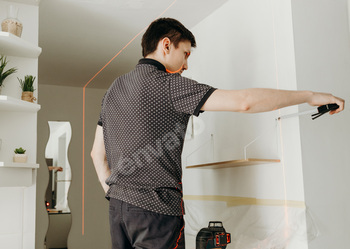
{"x":27,"y":86}
{"x":11,"y":24}
{"x":20,"y":156}
{"x":3,"y":73}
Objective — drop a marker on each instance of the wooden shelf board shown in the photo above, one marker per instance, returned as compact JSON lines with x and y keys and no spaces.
{"x":19,"y":165}
{"x":15,"y":46}
{"x":12,"y":104}
{"x":234,"y":163}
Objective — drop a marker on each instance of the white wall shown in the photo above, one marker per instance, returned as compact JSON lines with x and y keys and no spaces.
{"x":245,"y":44}
{"x":60,"y":103}
{"x":322,"y":45}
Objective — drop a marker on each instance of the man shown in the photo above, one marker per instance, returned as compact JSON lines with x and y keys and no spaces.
{"x":140,"y":135}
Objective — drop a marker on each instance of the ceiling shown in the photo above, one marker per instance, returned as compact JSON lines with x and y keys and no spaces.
{"x":79,"y":37}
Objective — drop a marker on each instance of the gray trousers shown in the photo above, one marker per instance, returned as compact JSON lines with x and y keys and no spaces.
{"x":132,"y":227}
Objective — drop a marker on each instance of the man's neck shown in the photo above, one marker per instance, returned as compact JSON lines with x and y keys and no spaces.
{"x":155,"y":57}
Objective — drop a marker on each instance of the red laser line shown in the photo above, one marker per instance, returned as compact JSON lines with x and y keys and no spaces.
{"x":83,"y":161}
{"x":177,"y":71}
{"x":286,"y":233}
{"x":83,"y":182}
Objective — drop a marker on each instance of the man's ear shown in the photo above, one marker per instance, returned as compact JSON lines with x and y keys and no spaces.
{"x":166,"y":45}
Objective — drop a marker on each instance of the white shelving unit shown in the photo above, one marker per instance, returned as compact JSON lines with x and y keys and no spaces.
{"x":11,"y":45}
{"x":18,"y":128}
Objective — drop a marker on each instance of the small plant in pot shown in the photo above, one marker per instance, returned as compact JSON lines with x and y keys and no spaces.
{"x":20,"y":156}
{"x":3,"y":73}
{"x":27,"y":86}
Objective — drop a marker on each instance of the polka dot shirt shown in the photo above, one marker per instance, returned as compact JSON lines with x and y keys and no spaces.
{"x":144,"y":118}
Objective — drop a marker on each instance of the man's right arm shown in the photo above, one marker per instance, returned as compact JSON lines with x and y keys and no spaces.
{"x":99,"y":159}
{"x":256,"y":100}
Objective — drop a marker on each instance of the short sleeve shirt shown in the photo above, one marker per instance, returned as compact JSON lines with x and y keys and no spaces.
{"x":144,"y":118}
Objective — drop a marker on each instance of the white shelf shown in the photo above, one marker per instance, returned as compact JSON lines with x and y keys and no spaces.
{"x":15,"y":46}
{"x":19,"y":165}
{"x":17,"y":174}
{"x":29,"y":2}
{"x":16,"y":105}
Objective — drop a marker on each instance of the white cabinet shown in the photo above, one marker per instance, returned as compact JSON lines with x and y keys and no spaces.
{"x":18,"y":128}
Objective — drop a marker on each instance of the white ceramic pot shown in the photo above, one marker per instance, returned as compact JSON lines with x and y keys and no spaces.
{"x":20,"y":158}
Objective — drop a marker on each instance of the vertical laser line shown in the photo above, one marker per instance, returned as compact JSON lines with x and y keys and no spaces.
{"x":83,"y":173}
{"x":83,"y":161}
{"x":286,"y":233}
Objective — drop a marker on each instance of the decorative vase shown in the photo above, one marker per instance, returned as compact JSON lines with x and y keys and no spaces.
{"x":11,"y":24}
{"x":20,"y":158}
{"x":28,"y":96}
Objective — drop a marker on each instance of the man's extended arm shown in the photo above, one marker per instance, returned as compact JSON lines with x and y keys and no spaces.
{"x":256,"y":100}
{"x":98,"y":155}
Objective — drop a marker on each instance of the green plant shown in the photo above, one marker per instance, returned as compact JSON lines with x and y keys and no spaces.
{"x":20,"y":151}
{"x":4,"y":74}
{"x":27,"y":84}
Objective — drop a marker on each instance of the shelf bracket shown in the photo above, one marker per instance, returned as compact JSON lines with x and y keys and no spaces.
{"x":268,"y":131}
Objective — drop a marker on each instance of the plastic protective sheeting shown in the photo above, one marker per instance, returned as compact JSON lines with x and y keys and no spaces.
{"x":252,"y":227}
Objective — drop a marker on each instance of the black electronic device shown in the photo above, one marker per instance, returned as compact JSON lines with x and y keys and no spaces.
{"x":213,"y":237}
{"x":324,"y":109}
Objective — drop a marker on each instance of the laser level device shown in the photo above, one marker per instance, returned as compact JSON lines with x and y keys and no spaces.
{"x":213,"y":237}
{"x":319,"y":111}
{"x":324,"y":109}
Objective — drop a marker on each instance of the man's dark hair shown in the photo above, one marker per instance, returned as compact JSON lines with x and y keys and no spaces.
{"x":165,"y":27}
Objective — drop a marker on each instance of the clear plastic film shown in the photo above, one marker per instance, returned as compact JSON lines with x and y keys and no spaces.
{"x":253,"y":226}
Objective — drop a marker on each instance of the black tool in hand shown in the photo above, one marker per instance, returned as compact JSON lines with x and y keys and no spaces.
{"x":324,"y":109}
